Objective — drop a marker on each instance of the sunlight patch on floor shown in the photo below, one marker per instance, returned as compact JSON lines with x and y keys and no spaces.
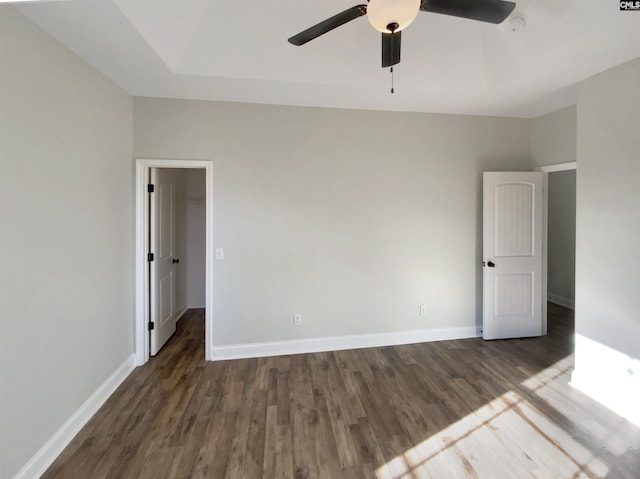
{"x":508,"y":437}
{"x":618,"y":436}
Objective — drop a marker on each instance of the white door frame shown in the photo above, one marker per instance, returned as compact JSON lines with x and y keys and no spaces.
{"x":569,"y":165}
{"x":142,"y":234}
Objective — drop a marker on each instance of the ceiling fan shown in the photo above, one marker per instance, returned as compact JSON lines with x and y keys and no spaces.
{"x":390,"y":17}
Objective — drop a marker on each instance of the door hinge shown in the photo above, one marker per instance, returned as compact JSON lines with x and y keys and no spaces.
{"x":150,"y":188}
{"x":151,"y":325}
{"x":150,"y":257}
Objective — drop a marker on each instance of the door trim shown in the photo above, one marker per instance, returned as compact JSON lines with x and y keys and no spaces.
{"x":141,"y":316}
{"x":570,"y":165}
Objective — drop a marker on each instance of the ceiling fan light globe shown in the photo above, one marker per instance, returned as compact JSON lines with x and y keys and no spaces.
{"x":382,"y":13}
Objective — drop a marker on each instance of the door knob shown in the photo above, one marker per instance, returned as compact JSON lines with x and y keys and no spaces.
{"x":174,"y":261}
{"x":491,"y":264}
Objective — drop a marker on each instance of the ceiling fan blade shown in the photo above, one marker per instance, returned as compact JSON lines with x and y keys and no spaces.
{"x":328,"y":25}
{"x":491,"y":11}
{"x":391,"y":48}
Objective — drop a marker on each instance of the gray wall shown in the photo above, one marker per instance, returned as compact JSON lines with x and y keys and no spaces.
{"x":351,"y":218}
{"x":553,"y":137}
{"x":608,"y":208}
{"x":66,"y":235}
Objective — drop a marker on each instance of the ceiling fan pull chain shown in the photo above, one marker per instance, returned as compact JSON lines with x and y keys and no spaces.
{"x":392,"y":90}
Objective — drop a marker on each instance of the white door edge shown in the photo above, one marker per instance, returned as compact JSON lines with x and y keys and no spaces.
{"x":545,"y":247}
{"x":142,"y":313}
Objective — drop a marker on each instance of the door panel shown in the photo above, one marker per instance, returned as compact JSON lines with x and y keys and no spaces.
{"x":166,"y":299}
{"x":513,"y":219}
{"x":162,"y":244}
{"x":514,"y":294}
{"x":513,"y":239}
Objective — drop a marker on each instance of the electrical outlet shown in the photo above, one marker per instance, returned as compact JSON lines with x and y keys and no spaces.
{"x":297,"y":319}
{"x":423,"y":310}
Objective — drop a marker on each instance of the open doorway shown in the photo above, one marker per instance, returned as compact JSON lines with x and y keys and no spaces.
{"x":192,"y":193}
{"x":176,"y":255}
{"x":562,"y":238}
{"x":561,"y":232}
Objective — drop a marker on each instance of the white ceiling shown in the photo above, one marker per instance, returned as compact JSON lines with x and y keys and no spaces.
{"x":238,"y":51}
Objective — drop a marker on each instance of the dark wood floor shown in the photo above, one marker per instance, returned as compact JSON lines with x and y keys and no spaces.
{"x":451,"y":409}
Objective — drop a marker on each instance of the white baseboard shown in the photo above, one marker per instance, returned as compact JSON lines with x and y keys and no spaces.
{"x":610,"y":377}
{"x":42,"y":459}
{"x":196,"y":304}
{"x":181,"y":310}
{"x":561,"y":300}
{"x":337,"y":343}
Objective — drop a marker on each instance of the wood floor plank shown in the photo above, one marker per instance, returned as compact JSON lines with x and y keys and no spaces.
{"x":452,"y":409}
{"x":270,"y":444}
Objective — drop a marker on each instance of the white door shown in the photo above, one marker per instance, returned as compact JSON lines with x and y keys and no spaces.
{"x":163,"y":311}
{"x":513,"y":241}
